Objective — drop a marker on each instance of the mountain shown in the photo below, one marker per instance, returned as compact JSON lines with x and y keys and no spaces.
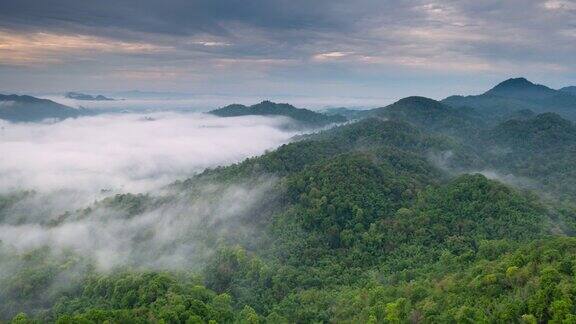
{"x":541,"y":148}
{"x":570,"y":89}
{"x":516,"y":94}
{"x":360,"y":212}
{"x":542,"y":132}
{"x":349,"y":113}
{"x":431,"y":115}
{"x":83,"y":96}
{"x":521,"y":88}
{"x":17,"y":108}
{"x":268,"y":108}
{"x":363,"y":224}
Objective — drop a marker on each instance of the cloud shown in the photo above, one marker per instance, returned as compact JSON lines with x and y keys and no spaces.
{"x":212,"y":43}
{"x":179,"y":234}
{"x":68,"y":163}
{"x":128,"y":152}
{"x":331,"y":55}
{"x":559,"y":5}
{"x":294,"y":46}
{"x":45,"y":48}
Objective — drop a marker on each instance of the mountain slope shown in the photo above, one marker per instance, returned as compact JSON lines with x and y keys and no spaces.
{"x":350,"y":114}
{"x":516,"y":94}
{"x":521,"y":88}
{"x":541,"y":148}
{"x":361,"y":225}
{"x":431,"y":115}
{"x":268,"y":108}
{"x":30,"y":109}
{"x":570,"y":89}
{"x":543,"y":132}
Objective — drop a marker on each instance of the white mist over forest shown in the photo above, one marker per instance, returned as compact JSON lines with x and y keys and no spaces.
{"x":128,"y":152}
{"x":67,"y":166}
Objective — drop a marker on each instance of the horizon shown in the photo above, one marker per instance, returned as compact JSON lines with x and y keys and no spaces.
{"x":329,"y":50}
{"x":199,"y":102}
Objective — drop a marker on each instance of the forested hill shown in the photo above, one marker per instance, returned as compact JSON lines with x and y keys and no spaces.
{"x":268,"y":108}
{"x":516,"y":94}
{"x":531,"y":148}
{"x":541,"y":149}
{"x":521,"y":88}
{"x":431,"y":115}
{"x":569,"y":89}
{"x":401,"y":217}
{"x":17,"y":108}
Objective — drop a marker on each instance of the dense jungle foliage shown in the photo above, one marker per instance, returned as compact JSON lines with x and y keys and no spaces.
{"x":422,"y":213}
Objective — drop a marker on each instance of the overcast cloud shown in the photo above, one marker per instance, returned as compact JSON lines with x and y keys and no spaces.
{"x":367,"y":48}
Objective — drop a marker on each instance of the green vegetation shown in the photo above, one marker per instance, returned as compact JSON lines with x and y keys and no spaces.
{"x":17,"y":108}
{"x":516,"y":94}
{"x":362,"y":224}
{"x":268,"y":108}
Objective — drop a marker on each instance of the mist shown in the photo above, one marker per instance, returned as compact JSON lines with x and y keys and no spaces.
{"x":69,"y":190}
{"x":52,"y":171}
{"x":176,"y":234}
{"x":128,"y":152}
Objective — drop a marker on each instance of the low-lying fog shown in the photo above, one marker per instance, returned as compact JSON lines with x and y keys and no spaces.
{"x":128,"y":152}
{"x":71,"y":163}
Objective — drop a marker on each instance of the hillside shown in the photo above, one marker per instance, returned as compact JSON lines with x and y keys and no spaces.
{"x":360,"y":225}
{"x":541,"y":148}
{"x":521,"y":88}
{"x":268,"y":108}
{"x":536,"y":150}
{"x":431,"y":115}
{"x":570,"y":89}
{"x":516,"y":94}
{"x":350,"y":114}
{"x":544,"y":131}
{"x":16,"y":108}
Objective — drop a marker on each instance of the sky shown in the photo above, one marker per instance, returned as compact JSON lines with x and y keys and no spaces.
{"x":369,"y":50}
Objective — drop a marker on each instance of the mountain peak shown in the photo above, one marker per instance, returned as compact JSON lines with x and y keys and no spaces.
{"x":25,"y":108}
{"x":267,"y":108}
{"x":416,"y":102}
{"x":515,"y":83}
{"x":521,"y":88}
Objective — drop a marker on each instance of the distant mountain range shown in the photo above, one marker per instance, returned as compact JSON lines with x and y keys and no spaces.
{"x":570,"y":89}
{"x":429,"y":114}
{"x":513,"y":98}
{"x":83,"y":96}
{"x":17,"y":108}
{"x":519,"y":93}
{"x":268,"y":108}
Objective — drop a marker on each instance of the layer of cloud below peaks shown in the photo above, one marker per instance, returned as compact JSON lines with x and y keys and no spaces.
{"x":128,"y":152}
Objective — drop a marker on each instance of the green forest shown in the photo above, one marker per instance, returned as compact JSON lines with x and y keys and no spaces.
{"x":419,"y":212}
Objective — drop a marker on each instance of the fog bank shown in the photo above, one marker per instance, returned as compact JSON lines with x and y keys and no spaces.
{"x":128,"y":152}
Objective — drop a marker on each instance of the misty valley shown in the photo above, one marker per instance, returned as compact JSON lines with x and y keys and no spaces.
{"x":461,"y":210}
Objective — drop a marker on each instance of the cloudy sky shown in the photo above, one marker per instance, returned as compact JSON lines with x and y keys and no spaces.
{"x":366,"y":49}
